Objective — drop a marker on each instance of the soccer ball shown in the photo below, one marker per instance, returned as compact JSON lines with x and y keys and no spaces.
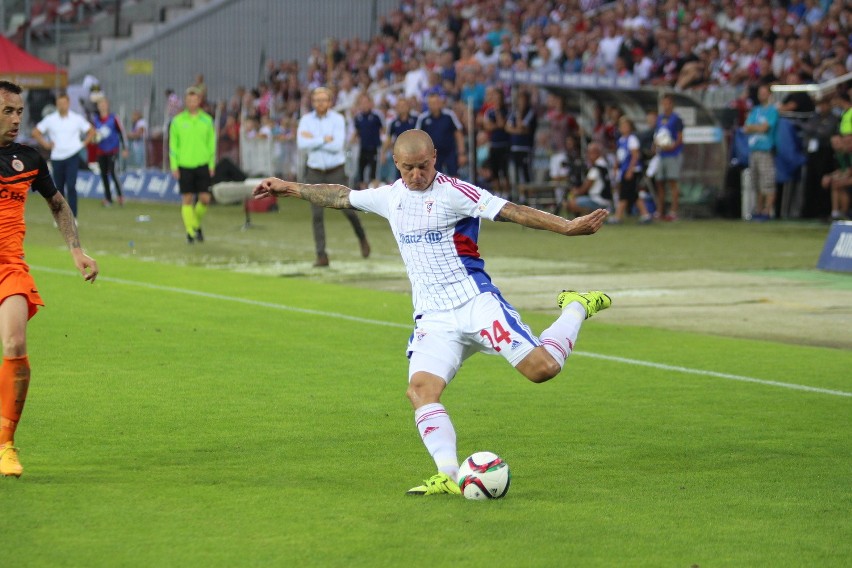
{"x":663,"y":138}
{"x":484,"y":475}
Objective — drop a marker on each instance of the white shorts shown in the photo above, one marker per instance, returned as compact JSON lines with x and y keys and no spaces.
{"x":443,"y":340}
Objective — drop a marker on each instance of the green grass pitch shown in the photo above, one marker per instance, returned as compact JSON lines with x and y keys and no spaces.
{"x":184,"y":416}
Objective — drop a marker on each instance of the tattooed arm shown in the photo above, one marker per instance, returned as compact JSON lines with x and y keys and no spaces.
{"x":322,"y":194}
{"x":535,"y":219}
{"x":68,"y":228}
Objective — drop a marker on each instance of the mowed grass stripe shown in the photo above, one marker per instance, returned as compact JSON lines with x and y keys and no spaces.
{"x":369,"y":321}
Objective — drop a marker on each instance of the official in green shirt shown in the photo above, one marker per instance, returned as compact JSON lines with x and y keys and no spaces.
{"x":192,"y":158}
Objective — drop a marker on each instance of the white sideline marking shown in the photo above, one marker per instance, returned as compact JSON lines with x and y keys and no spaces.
{"x":716,"y":374}
{"x":335,"y":315}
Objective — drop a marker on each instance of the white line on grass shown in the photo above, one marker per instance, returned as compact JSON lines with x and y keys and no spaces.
{"x":336,"y":315}
{"x":716,"y":374}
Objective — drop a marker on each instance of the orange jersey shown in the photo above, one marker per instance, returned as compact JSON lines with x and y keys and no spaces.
{"x":21,"y":168}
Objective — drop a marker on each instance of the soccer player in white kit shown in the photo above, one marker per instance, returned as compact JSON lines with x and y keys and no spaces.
{"x":458,"y":311}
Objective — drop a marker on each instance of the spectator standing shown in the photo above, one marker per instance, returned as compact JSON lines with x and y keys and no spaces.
{"x":368,"y":133}
{"x":521,"y":126}
{"x":192,"y":159}
{"x":65,"y":133}
{"x":668,"y":141}
{"x":228,"y":145}
{"x":443,"y":127}
{"x":494,"y":123}
{"x":109,"y":136}
{"x":22,"y":169}
{"x":817,"y":131}
{"x":322,"y":134}
{"x":403,"y":121}
{"x":760,"y":126}
{"x":560,"y":124}
{"x":628,"y":156}
{"x":136,"y":140}
{"x":472,"y":91}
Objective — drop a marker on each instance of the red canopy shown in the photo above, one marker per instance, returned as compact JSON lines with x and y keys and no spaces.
{"x":27,"y":70}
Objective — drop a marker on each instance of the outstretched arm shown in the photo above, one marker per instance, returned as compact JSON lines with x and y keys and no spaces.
{"x":68,"y":228}
{"x":322,"y":194}
{"x":535,"y":219}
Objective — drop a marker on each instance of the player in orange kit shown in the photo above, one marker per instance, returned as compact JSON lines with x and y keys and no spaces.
{"x":22,"y":168}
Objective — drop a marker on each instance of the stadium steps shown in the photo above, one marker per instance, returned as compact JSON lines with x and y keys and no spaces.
{"x":137,"y":21}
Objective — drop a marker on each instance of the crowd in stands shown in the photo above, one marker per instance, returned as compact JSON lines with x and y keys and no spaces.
{"x":43,"y":16}
{"x":453,"y":49}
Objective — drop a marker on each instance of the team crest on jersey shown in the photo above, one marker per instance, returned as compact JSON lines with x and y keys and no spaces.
{"x":429,"y":204}
{"x":17,"y":165}
{"x":420,"y":335}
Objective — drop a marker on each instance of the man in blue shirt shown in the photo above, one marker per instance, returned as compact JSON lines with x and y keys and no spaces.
{"x":760,"y":127}
{"x":443,"y":126}
{"x":494,"y":123}
{"x":668,"y":140}
{"x":368,"y":131}
{"x":521,"y":126}
{"x":404,"y":120}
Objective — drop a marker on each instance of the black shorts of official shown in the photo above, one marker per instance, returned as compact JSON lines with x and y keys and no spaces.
{"x":194,"y":180}
{"x":498,"y":162}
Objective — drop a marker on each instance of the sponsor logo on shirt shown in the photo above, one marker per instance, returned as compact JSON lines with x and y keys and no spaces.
{"x":430,"y":237}
{"x":13,"y":195}
{"x":484,"y":204}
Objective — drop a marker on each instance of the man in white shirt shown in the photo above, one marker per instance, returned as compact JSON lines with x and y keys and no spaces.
{"x":416,"y":80}
{"x":64,"y":132}
{"x":322,"y":134}
{"x":458,"y":311}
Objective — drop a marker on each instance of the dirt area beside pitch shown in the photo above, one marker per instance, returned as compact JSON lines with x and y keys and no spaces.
{"x":793,"y":309}
{"x":803,"y":307}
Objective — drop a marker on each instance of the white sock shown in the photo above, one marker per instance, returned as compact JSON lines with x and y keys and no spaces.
{"x":439,"y":437}
{"x":560,"y":337}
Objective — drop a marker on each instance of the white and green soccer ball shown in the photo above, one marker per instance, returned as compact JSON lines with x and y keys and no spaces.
{"x":484,"y":475}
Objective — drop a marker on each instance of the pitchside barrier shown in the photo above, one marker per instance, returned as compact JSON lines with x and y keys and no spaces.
{"x":143,"y":185}
{"x":837,"y":252}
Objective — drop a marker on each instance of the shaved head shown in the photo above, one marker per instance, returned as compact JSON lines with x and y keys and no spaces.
{"x":414,"y":156}
{"x":413,"y":142}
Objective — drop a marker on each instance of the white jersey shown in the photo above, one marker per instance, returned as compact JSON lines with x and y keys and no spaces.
{"x":437,"y":232}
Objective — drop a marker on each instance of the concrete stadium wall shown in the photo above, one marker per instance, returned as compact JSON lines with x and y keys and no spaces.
{"x":226,"y":41}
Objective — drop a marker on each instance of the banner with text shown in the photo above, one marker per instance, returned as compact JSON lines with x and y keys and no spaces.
{"x":837,"y":252}
{"x":143,"y":185}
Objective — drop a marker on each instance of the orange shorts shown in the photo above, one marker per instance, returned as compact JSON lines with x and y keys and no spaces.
{"x":15,"y":279}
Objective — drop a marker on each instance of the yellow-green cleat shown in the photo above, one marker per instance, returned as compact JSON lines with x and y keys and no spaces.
{"x":10,"y":466}
{"x":592,"y":302}
{"x":436,"y":485}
